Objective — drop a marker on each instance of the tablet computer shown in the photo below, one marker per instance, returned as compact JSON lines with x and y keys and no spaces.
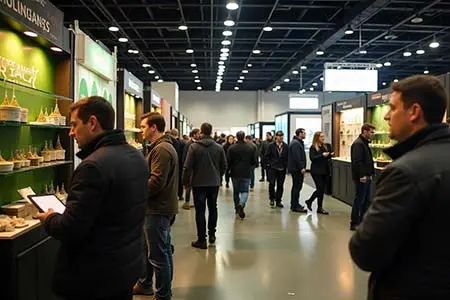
{"x":45,"y":202}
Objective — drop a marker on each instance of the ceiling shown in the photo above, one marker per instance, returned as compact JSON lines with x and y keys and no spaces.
{"x":300,"y":29}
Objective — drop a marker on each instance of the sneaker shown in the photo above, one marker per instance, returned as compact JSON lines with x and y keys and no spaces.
{"x":308,"y":204}
{"x":199,"y":244}
{"x":186,"y":206}
{"x":262,"y":180}
{"x":241,"y":212}
{"x":322,"y":211}
{"x":272,"y":203}
{"x":212,"y":238}
{"x":280,"y":205}
{"x":139,"y":290}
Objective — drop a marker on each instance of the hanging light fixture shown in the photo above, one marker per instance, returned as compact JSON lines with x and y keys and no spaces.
{"x":232,"y":5}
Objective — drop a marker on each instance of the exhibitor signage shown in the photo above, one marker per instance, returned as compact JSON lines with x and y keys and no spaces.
{"x":13,"y":71}
{"x":379,"y":98}
{"x":40,"y":16}
{"x":348,"y":104}
{"x":133,"y":84}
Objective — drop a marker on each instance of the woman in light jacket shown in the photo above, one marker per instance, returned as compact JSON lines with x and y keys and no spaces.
{"x":320,"y":154}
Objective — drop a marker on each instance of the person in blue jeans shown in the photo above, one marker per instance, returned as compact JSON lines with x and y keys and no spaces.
{"x":249,"y":141}
{"x":242,"y":159}
{"x":162,"y":207}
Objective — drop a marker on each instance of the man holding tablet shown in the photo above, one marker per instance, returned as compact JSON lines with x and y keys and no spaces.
{"x":101,"y":228}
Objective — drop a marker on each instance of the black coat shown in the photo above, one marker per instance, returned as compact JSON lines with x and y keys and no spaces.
{"x":362,"y":160}
{"x":320,"y":165}
{"x":274,"y":159}
{"x":242,"y":158}
{"x":403,"y":238}
{"x":296,"y":156}
{"x":101,"y":229}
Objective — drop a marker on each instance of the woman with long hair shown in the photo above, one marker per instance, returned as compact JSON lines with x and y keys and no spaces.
{"x":320,"y":154}
{"x":229,"y":141}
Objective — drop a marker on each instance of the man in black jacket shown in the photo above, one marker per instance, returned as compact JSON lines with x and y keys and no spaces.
{"x":297,"y":168}
{"x":194,"y":137}
{"x":276,"y":159}
{"x":362,"y":172}
{"x":179,"y":146}
{"x":203,"y":169}
{"x":242,"y":159}
{"x":101,"y":228}
{"x":403,"y":237}
{"x":249,"y":141}
{"x":262,"y":152}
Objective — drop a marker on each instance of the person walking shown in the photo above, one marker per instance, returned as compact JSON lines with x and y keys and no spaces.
{"x":297,"y":168}
{"x":179,"y":146}
{"x":226,"y":146}
{"x":276,"y":159}
{"x":402,"y":238}
{"x":249,"y":141}
{"x":204,"y":166}
{"x":100,"y":231}
{"x":262,"y":153}
{"x":162,"y":207}
{"x":362,"y":172}
{"x":195,"y":136}
{"x":241,"y":161}
{"x":320,"y":154}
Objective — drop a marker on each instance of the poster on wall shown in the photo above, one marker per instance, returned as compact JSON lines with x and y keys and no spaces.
{"x":327,"y":123}
{"x":311,"y":124}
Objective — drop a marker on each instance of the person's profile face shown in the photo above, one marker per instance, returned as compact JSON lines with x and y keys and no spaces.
{"x":79,"y":131}
{"x":398,"y":118}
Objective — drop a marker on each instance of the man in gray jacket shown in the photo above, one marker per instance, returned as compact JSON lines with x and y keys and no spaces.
{"x":204,"y":166}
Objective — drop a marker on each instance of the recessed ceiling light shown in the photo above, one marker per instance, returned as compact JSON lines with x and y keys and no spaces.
{"x":245,"y":71}
{"x":420,"y":51}
{"x":220,"y":62}
{"x":151,"y":72}
{"x":130,"y":51}
{"x":379,"y":65}
{"x":387,"y":64}
{"x":224,"y":54}
{"x":113,"y":29}
{"x":249,"y":65}
{"x":156,"y":77}
{"x":220,"y":73}
{"x":227,"y":33}
{"x":240,"y":81}
{"x":226,"y":42}
{"x":434,"y":44}
{"x":295,"y":72}
{"x":232,"y":5}
{"x":287,"y":80}
{"x":199,"y":88}
{"x":225,"y":50}
{"x":223,"y":58}
{"x":123,"y":40}
{"x":395,"y":80}
{"x":196,"y":77}
{"x":146,"y":65}
{"x":56,"y":49}
{"x":417,"y":20}
{"x":302,"y":91}
{"x":219,"y":77}
{"x":321,"y":78}
{"x":384,"y":83}
{"x":193,"y":65}
{"x":197,"y":80}
{"x":268,"y":28}
{"x":274,"y":89}
{"x":362,"y":51}
{"x":278,"y":87}
{"x":256,"y":51}
{"x":426,"y":72}
{"x":160,"y":80}
{"x":195,"y":71}
{"x":320,"y":52}
{"x":30,"y":34}
{"x":219,"y":81}
{"x":303,"y":67}
{"x":349,"y":31}
{"x":189,"y":51}
{"x":407,"y":53}
{"x":182,"y":27}
{"x":311,"y":89}
{"x":241,"y":77}
{"x":314,"y":84}
{"x":229,"y":23}
{"x":236,"y":88}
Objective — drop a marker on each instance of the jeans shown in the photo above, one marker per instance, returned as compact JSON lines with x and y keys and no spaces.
{"x":187,"y":196}
{"x":297,"y":184}
{"x":321,"y":182}
{"x":252,"y":178}
{"x":276,"y":177}
{"x":361,"y":203}
{"x":205,"y":196}
{"x":240,"y":188}
{"x":160,"y":262}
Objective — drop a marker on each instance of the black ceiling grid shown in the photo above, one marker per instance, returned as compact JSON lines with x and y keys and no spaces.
{"x":300,"y":28}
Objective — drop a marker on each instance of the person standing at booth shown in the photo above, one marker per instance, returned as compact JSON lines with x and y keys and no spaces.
{"x":262,"y":152}
{"x":297,"y":168}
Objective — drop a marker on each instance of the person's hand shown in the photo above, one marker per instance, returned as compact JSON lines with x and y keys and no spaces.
{"x":43,"y":216}
{"x":363,"y":179}
{"x":332,"y":154}
{"x":303,"y":171}
{"x":325,"y":154}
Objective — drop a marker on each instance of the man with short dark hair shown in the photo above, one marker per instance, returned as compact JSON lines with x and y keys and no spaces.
{"x":362,"y":171}
{"x":100,"y":230}
{"x":262,"y":152}
{"x":162,"y":207}
{"x":204,"y":167}
{"x":242,"y":158}
{"x":402,"y":240}
{"x":249,"y":141}
{"x":276,"y":159}
{"x":297,"y":168}
{"x":194,"y":137}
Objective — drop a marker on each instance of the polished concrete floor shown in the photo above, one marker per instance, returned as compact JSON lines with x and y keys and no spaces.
{"x":272,"y":254}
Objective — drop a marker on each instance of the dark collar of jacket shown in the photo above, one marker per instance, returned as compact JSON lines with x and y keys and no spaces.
{"x":365,"y":141}
{"x":109,"y":138}
{"x":164,"y":138}
{"x":426,"y":135}
{"x":299,"y":140}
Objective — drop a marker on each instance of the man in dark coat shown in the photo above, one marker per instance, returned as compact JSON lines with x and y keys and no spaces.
{"x":362,"y":172}
{"x":242,"y":158}
{"x":101,"y":228}
{"x":194,"y":137}
{"x":297,"y":168}
{"x":402,"y":240}
{"x":262,"y":152}
{"x":276,"y":159}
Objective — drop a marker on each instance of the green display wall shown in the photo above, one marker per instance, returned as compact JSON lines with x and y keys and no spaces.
{"x":382,"y":129}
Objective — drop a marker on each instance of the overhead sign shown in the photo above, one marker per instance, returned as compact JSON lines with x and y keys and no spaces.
{"x":382,"y":97}
{"x":349,"y":104}
{"x":40,"y":16}
{"x":94,"y":57}
{"x":133,"y":85}
{"x":156,"y":100}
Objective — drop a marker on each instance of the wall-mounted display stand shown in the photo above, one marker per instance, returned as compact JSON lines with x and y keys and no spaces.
{"x":36,"y":152}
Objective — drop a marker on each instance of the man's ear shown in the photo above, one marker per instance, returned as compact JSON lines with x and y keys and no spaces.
{"x":415,"y":112}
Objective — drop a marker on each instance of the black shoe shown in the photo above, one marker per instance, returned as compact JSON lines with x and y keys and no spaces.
{"x":272,"y":203}
{"x":212,"y":238}
{"x":353,"y":227}
{"x":308,"y":204}
{"x":262,"y":180}
{"x":227,"y":186}
{"x":180,"y":198}
{"x":241,"y":212}
{"x":322,"y":211}
{"x":199,"y":244}
{"x":300,"y":209}
{"x":280,"y":205}
{"x":172,"y":249}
